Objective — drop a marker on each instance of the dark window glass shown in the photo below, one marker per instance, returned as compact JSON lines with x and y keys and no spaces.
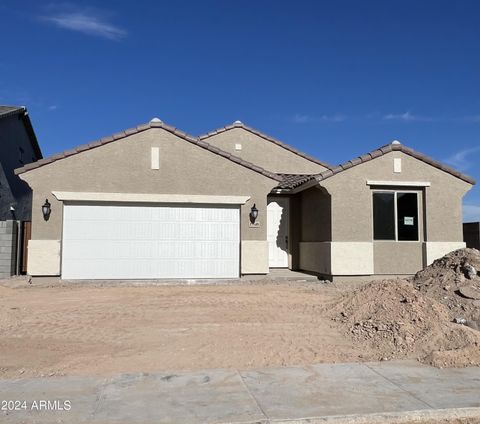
{"x":383,"y":216}
{"x":407,"y":216}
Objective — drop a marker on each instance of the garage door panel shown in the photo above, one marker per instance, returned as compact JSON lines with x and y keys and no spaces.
{"x":108,"y":242}
{"x":128,"y":230}
{"x":144,"y":269}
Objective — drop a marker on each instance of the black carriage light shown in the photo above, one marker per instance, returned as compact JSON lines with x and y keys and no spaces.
{"x":46,"y":210}
{"x":253,"y":214}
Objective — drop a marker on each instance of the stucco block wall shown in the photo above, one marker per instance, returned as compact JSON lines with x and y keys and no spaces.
{"x":124,"y":166}
{"x":263,"y":153}
{"x":8,"y":248}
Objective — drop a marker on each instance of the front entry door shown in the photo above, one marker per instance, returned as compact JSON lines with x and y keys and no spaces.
{"x":277,"y":231}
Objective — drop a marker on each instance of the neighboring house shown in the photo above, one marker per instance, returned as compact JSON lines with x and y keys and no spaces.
{"x":18,"y":147}
{"x":155,"y":202}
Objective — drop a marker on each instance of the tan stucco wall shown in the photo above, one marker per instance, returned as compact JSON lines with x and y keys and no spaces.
{"x":124,"y":166}
{"x":337,"y":258}
{"x":316,"y":215}
{"x":352,"y":201}
{"x":352,"y":258}
{"x":315,"y":257}
{"x":44,"y":257}
{"x":397,"y":257}
{"x":295,"y":231}
{"x":436,"y":249}
{"x":263,"y":153}
{"x":254,"y":257}
{"x":352,"y":211}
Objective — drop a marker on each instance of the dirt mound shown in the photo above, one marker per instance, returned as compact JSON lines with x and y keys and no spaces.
{"x":392,"y":319}
{"x":453,"y":281}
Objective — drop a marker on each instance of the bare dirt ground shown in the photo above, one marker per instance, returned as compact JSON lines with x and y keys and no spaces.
{"x":102,"y":330}
{"x":110,"y":328}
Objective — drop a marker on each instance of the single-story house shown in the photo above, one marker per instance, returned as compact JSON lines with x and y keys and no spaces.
{"x":153,"y":202}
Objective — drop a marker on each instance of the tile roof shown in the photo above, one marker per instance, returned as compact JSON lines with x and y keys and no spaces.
{"x":390,"y":148}
{"x":238,"y":124}
{"x":291,"y":181}
{"x":141,"y":128}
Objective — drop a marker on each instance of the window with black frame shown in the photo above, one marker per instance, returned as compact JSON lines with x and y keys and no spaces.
{"x":395,"y":216}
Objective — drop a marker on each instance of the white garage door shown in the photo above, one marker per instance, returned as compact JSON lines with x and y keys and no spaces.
{"x":140,"y":242}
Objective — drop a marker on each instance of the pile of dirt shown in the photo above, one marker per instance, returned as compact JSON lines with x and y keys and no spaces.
{"x":454,"y":282}
{"x":393,"y":319}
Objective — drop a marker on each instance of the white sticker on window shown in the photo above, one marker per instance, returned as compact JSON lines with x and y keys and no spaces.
{"x":408,"y":220}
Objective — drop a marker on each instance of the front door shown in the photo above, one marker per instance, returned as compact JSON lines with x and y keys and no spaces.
{"x":277,"y":231}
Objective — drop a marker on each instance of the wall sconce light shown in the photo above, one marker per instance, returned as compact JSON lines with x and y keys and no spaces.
{"x":46,"y":210}
{"x":253,"y":214}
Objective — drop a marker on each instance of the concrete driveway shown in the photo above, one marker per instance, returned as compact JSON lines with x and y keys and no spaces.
{"x":340,"y":393}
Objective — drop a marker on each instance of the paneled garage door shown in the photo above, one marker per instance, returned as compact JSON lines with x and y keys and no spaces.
{"x":141,"y":242}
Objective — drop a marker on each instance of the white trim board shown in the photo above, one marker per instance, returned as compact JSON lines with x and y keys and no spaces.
{"x":399,"y":183}
{"x":149,"y":198}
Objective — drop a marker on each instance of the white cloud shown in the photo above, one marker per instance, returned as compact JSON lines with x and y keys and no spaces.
{"x":88,"y":21}
{"x":471,"y":213}
{"x":471,"y":118}
{"x":462,"y":159}
{"x":52,"y":107}
{"x":304,"y":119}
{"x":406,"y":117}
{"x":333,"y":118}
{"x":301,"y":119}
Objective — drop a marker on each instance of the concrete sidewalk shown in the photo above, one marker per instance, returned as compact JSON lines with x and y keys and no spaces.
{"x":335,"y":393}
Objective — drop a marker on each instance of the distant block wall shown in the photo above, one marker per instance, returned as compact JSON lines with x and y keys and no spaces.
{"x":8,"y":248}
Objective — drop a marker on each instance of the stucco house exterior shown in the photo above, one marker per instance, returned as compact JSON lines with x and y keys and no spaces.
{"x":18,"y":146}
{"x":153,"y":202}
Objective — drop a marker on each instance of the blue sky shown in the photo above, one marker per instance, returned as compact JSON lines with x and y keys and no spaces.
{"x":333,"y":78}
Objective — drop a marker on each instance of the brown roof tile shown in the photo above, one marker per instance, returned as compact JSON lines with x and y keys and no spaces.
{"x":266,"y":137}
{"x":290,"y":181}
{"x":138,"y":129}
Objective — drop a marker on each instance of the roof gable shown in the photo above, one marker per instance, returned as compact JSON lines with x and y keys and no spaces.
{"x":155,"y":123}
{"x":391,"y":148}
{"x":238,"y":124}
{"x":301,"y":182}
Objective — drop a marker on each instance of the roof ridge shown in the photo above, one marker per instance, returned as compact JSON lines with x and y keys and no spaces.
{"x":387,"y":148}
{"x":140,"y":128}
{"x":11,"y":110}
{"x":238,"y":124}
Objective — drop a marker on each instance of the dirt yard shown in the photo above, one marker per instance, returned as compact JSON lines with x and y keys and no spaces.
{"x":110,"y":328}
{"x":101,"y":330}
